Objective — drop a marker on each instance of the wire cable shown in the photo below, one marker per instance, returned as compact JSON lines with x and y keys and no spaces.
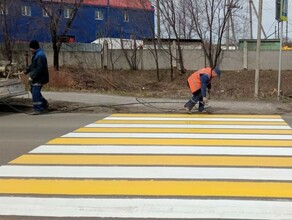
{"x":139,"y":102}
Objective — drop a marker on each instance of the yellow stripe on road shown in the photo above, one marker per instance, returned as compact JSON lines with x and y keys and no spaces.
{"x":193,"y":119}
{"x":191,"y":122}
{"x":186,"y":130}
{"x":139,"y":160}
{"x":146,"y":188}
{"x":171,"y":142}
{"x":230,"y":162}
{"x":196,"y":115}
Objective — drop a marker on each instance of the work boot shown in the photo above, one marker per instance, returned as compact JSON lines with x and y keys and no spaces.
{"x":187,"y":108}
{"x":204,"y":111}
{"x":36,"y":112}
{"x":46,"y":106}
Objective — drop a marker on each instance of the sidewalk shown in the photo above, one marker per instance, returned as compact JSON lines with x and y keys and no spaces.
{"x":133,"y":104}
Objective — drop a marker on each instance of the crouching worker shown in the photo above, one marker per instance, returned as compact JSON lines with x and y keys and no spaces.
{"x":38,"y":76}
{"x":198,"y":83}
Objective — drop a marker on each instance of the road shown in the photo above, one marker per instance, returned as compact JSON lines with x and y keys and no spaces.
{"x":20,"y":133}
{"x":146,"y":166}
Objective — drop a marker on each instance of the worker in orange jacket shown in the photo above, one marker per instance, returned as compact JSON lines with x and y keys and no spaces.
{"x":198,"y":83}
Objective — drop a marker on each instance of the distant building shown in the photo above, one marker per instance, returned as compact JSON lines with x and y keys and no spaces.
{"x":165,"y":43}
{"x":127,"y":19}
{"x":266,"y":44}
{"x":118,"y":43}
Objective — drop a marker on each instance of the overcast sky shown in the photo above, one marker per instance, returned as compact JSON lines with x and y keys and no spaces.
{"x":269,"y":21}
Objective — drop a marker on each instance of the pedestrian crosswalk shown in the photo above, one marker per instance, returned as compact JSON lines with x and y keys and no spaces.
{"x":157,"y":166}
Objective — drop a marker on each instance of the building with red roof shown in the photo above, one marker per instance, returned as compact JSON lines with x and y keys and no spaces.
{"x":95,"y":19}
{"x":130,"y":4}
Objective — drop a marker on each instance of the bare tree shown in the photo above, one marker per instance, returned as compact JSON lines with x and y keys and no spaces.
{"x":171,"y":14}
{"x":61,"y":14}
{"x":185,"y":24}
{"x":209,"y":22}
{"x":154,"y":36}
{"x":131,"y":53}
{"x":8,"y":17}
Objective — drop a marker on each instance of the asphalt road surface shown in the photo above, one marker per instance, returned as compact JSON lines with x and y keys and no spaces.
{"x":22,"y":133}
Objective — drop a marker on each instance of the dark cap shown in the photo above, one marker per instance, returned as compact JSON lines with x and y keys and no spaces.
{"x":218,"y":71}
{"x":34,"y":44}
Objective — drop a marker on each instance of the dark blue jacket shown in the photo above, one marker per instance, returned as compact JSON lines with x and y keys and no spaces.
{"x":205,"y":83}
{"x":38,"y":69}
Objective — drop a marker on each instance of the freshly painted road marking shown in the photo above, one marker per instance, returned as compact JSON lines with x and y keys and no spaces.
{"x":162,"y":150}
{"x":173,"y":142}
{"x":153,"y":173}
{"x":154,"y":160}
{"x":157,"y":166}
{"x":177,"y":136}
{"x":174,"y":188}
{"x":188,"y":122}
{"x":141,"y":208}
{"x":193,"y":115}
{"x":190,"y":126}
{"x":185,"y":130}
{"x":195,"y":119}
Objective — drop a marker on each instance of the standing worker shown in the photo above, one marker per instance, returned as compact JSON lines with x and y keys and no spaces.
{"x":38,"y":76}
{"x":198,"y":83}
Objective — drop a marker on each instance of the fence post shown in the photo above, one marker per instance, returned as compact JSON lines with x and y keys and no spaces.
{"x":142,"y":57}
{"x":245,"y":55}
{"x":105,"y":54}
{"x":174,"y":54}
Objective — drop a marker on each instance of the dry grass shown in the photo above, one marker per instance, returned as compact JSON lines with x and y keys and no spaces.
{"x":232,"y":85}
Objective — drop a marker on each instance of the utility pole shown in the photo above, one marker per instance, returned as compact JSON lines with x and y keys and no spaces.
{"x":230,"y":5}
{"x":280,"y":61}
{"x":250,"y":20}
{"x":257,"y":71}
{"x":281,"y":16}
{"x":287,"y":27}
{"x":255,"y":10}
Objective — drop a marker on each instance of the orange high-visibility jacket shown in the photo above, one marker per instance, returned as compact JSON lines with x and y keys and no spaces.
{"x":194,"y":80}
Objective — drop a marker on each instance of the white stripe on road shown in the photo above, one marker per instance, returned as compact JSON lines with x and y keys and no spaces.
{"x":281,"y":127}
{"x":145,"y":208}
{"x":182,"y":136}
{"x":193,"y":119}
{"x":165,"y":150}
{"x":155,"y":172}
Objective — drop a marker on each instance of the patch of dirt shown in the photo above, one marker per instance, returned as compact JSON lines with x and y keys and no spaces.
{"x":233,"y":85}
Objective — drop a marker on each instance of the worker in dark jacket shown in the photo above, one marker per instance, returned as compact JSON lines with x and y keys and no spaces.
{"x":38,"y":76}
{"x":198,"y":83}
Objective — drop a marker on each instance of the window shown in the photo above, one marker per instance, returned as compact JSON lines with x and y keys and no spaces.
{"x":98,"y":15}
{"x":67,"y":12}
{"x":126,"y":16}
{"x":25,"y":10}
{"x":3,"y":10}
